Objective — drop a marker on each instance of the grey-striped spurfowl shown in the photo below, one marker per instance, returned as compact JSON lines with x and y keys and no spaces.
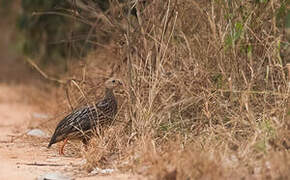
{"x":81,"y":123}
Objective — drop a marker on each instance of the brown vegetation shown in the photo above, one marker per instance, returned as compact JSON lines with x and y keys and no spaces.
{"x":207,"y":90}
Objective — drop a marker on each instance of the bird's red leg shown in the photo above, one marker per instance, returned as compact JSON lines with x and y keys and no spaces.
{"x":62,"y":147}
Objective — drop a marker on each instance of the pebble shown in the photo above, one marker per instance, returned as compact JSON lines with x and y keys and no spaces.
{"x":37,"y":133}
{"x":54,"y":176}
{"x":40,"y":116}
{"x":101,"y":171}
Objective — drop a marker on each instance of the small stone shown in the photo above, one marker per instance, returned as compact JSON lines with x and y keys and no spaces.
{"x":37,"y":133}
{"x":101,"y":171}
{"x":54,"y":176}
{"x":40,"y":116}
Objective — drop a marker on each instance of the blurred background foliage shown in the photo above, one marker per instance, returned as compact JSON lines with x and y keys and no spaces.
{"x":50,"y":31}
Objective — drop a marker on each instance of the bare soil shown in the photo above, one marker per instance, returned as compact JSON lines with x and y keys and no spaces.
{"x":22,"y":157}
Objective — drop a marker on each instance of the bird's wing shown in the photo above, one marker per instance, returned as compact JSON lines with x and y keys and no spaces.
{"x":79,"y":120}
{"x":76,"y":123}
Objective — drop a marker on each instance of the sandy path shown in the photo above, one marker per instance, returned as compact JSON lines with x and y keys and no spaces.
{"x":17,"y":157}
{"x":14,"y":156}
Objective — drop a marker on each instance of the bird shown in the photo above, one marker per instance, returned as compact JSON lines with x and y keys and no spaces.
{"x":81,"y":123}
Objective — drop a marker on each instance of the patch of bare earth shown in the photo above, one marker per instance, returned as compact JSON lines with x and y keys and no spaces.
{"x":28,"y":158}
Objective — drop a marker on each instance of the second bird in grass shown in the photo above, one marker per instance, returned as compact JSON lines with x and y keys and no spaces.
{"x":81,"y":123}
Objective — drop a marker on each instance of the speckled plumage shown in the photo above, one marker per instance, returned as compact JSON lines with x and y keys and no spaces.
{"x":80,"y":123}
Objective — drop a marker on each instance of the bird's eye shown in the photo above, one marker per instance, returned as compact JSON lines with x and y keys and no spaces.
{"x":113,"y":81}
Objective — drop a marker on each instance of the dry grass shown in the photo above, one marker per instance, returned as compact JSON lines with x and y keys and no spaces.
{"x":206,"y":95}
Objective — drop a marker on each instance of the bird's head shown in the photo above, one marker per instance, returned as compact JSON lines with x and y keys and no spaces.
{"x":112,"y":83}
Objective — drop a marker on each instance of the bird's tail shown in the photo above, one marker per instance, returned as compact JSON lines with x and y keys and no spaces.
{"x":52,"y":141}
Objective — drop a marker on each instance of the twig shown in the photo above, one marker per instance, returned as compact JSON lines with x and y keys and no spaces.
{"x":43,"y":73}
{"x":64,"y":82}
{"x":40,"y":164}
{"x":253,"y":92}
